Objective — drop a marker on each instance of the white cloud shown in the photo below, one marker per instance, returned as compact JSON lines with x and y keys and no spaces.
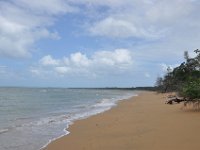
{"x":49,"y":61}
{"x":25,"y":22}
{"x":62,"y":70}
{"x":122,"y":28}
{"x":50,"y":7}
{"x":146,"y":19}
{"x":165,"y":67}
{"x":110,"y":3}
{"x":101,"y":62}
{"x":79,"y":59}
{"x":111,"y":27}
{"x":157,"y":29}
{"x":169,"y":12}
{"x":120,"y":58}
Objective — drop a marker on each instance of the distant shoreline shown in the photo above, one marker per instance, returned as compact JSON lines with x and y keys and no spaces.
{"x":146,"y":88}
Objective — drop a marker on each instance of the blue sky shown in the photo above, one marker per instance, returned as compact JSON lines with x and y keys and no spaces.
{"x":92,"y":43}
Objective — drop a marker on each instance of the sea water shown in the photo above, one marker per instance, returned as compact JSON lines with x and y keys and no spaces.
{"x":32,"y":117}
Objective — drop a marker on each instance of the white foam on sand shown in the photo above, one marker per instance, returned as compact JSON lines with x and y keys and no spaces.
{"x":100,"y":107}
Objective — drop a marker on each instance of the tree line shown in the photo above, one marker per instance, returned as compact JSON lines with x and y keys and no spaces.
{"x":184,"y":79}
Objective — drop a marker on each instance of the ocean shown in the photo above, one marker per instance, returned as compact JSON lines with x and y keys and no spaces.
{"x":30,"y":118}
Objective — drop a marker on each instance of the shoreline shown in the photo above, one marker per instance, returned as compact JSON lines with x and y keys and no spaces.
{"x":67,"y":131}
{"x":142,"y":122}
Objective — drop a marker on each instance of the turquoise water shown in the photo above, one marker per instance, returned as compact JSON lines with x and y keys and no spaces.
{"x":32,"y":117}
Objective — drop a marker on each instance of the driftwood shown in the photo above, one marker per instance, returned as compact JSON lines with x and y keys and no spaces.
{"x":174,"y":99}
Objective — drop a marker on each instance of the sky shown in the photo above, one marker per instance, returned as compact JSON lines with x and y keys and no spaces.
{"x":94,"y":43}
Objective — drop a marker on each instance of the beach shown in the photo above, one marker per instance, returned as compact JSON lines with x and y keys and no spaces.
{"x":144,"y":122}
{"x":54,"y":110}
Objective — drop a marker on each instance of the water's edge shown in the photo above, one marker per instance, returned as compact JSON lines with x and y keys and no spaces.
{"x":66,"y":132}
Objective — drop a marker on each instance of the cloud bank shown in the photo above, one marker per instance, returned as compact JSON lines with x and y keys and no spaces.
{"x":155,"y":31}
{"x":24,"y":22}
{"x":100,"y":63}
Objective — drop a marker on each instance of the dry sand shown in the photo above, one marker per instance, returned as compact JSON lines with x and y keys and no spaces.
{"x":140,"y":123}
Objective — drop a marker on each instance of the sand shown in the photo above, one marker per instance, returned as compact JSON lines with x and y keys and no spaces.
{"x":140,"y":123}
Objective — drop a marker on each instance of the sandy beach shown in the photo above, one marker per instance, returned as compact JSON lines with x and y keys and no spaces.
{"x":144,"y":122}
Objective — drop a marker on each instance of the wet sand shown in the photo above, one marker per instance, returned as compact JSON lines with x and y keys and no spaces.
{"x":144,"y":122}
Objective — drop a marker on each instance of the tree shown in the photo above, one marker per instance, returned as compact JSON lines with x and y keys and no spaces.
{"x":184,"y":79}
{"x":159,"y":84}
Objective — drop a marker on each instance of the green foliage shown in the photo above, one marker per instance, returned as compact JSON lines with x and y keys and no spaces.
{"x":184,"y":79}
{"x":192,"y":89}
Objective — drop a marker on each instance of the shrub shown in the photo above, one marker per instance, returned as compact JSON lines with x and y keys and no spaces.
{"x":192,"y":89}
